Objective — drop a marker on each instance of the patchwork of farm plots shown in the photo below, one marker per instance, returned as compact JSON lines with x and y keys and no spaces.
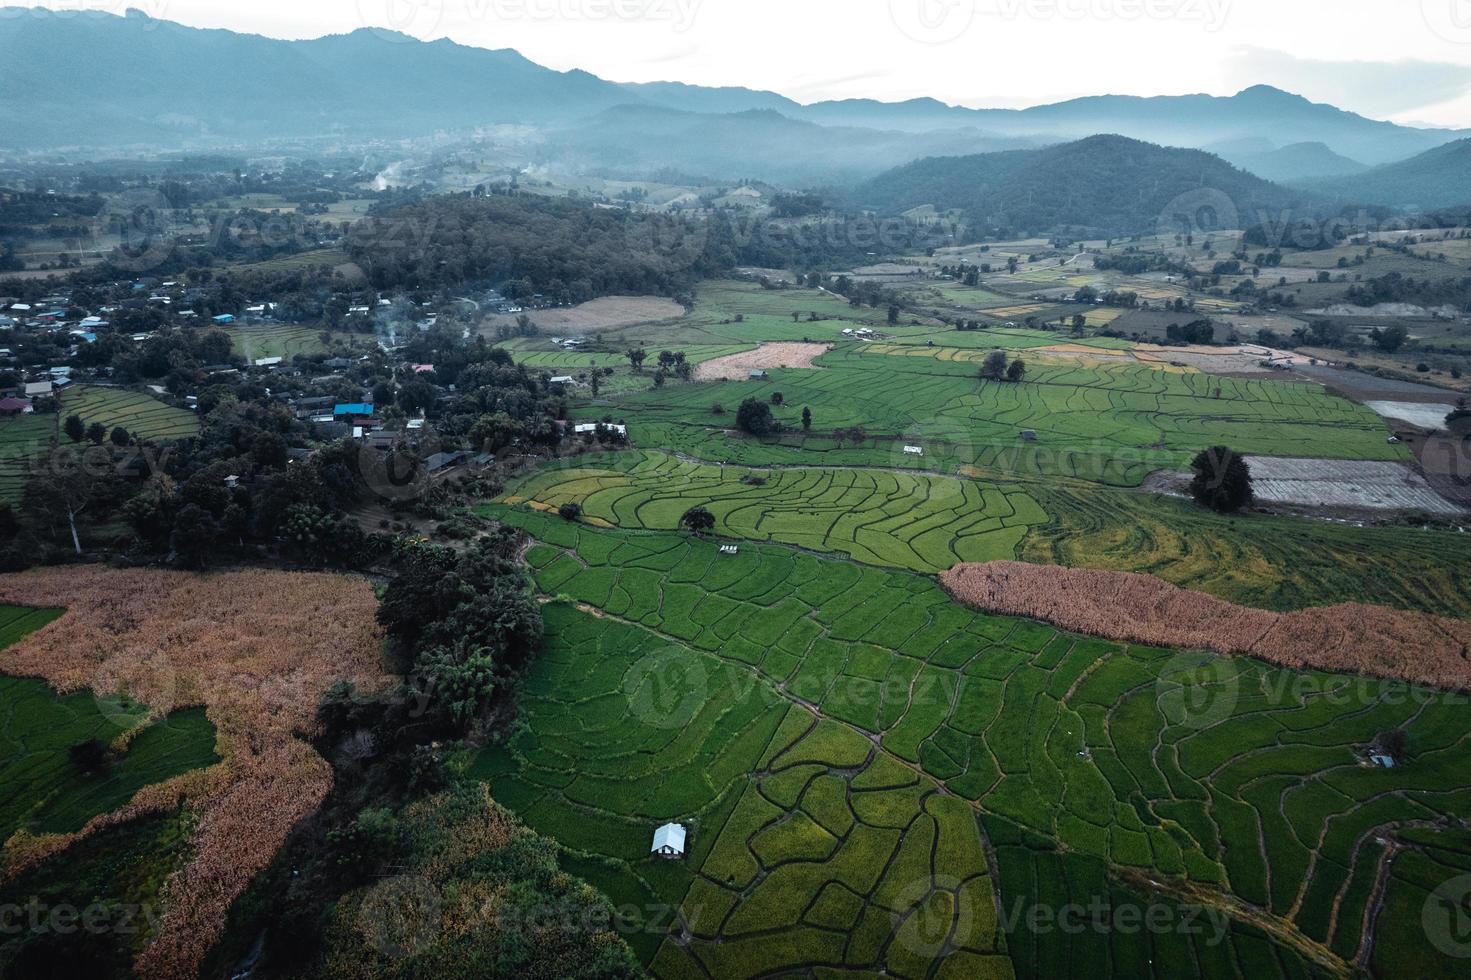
{"x":807,"y":846}
{"x":893,"y":519}
{"x":1103,"y":422}
{"x":24,"y":437}
{"x":1098,"y":772}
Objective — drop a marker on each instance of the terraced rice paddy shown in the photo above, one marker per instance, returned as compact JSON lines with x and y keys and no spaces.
{"x":280,"y":340}
{"x":806,"y":846}
{"x":1278,"y":563}
{"x":1103,"y":422}
{"x":24,"y":437}
{"x":897,"y":520}
{"x":1226,"y":792}
{"x":924,"y":522}
{"x":144,"y":416}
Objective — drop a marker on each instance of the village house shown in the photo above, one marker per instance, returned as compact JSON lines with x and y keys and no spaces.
{"x":669,"y":841}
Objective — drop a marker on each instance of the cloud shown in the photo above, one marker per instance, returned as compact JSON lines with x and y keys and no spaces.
{"x":1373,"y":88}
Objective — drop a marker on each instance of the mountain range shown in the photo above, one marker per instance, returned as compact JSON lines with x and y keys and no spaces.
{"x":95,"y":82}
{"x":1100,"y":186}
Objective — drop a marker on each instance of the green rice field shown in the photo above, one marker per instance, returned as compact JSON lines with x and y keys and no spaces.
{"x":927,"y":523}
{"x":24,"y":437}
{"x":1220,"y":792}
{"x":1106,"y":423}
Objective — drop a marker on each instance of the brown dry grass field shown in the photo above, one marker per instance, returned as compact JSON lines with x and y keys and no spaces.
{"x":257,"y":650}
{"x":736,"y":367}
{"x":608,"y":313}
{"x":1351,"y":638}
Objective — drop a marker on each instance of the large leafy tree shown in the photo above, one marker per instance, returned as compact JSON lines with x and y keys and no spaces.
{"x":754,"y":417}
{"x":1222,"y":480}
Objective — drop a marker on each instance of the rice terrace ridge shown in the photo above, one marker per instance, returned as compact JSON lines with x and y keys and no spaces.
{"x":529,"y":490}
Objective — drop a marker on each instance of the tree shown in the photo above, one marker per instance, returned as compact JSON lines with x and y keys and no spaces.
{"x":777,"y":398}
{"x":120,"y":437}
{"x":96,"y":433}
{"x":1391,"y":338}
{"x":1222,"y":480}
{"x":75,"y":428}
{"x":697,"y":520}
{"x":1017,"y":371}
{"x":993,"y":368}
{"x":72,"y":484}
{"x":754,"y":418}
{"x":194,"y":535}
{"x":492,"y":433}
{"x":893,"y":315}
{"x":90,"y":756}
{"x":636,"y":356}
{"x":570,"y":511}
{"x":1393,"y":743}
{"x":806,"y":419}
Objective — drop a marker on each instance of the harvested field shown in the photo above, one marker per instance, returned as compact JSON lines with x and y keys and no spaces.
{"x":1358,"y":484}
{"x":608,"y":313}
{"x":1363,"y":386}
{"x":1353,"y":638}
{"x":256,"y":650}
{"x":1427,"y":415}
{"x":736,"y":367}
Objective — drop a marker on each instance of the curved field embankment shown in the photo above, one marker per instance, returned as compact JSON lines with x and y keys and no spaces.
{"x":257,"y":650}
{"x":1351,"y":638}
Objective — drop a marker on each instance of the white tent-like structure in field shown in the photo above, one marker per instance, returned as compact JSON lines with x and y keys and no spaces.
{"x":669,"y":841}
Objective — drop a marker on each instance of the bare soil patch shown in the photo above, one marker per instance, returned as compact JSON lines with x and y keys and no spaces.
{"x":737,"y":367}
{"x":1350,"y":638}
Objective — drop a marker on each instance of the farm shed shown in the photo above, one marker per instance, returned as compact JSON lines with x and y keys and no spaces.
{"x":1028,"y":435}
{"x":579,"y":429}
{"x":13,"y":406}
{"x":914,"y":450}
{"x":757,"y":375}
{"x":669,"y":841}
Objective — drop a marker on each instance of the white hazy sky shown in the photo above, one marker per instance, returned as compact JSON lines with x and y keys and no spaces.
{"x":1406,"y":60}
